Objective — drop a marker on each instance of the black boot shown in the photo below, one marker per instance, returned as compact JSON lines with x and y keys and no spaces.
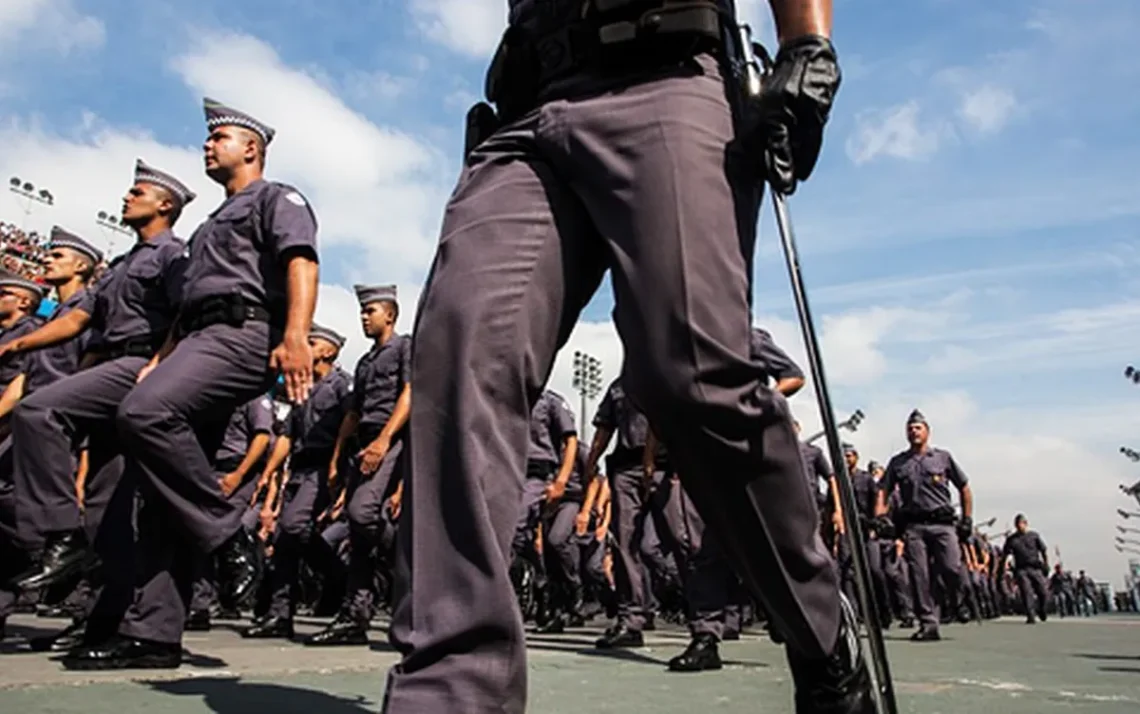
{"x":620,"y":636}
{"x":342,"y":631}
{"x":124,"y":653}
{"x":270,"y":628}
{"x":840,"y":683}
{"x":240,"y":566}
{"x":66,"y":555}
{"x":701,"y":654}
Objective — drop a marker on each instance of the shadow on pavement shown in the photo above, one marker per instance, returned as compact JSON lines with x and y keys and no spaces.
{"x":233,"y":696}
{"x":591,"y":651}
{"x":1109,"y":657}
{"x":1120,"y":670}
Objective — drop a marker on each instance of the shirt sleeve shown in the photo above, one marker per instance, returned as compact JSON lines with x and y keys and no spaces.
{"x":606,"y":416}
{"x":820,"y":465}
{"x":562,"y":420}
{"x":174,"y":273}
{"x":358,"y":386}
{"x":292,"y":223}
{"x":776,"y":361}
{"x":405,"y":361}
{"x":261,"y":416}
{"x":955,"y":473}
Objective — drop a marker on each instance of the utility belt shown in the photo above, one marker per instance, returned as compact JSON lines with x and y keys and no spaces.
{"x":134,"y":347}
{"x":230,"y":464}
{"x":613,"y":36}
{"x":311,"y":459}
{"x":944,"y":516}
{"x":541,"y":470}
{"x":227,"y":309}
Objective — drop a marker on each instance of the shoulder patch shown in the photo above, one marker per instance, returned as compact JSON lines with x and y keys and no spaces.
{"x":295,"y":198}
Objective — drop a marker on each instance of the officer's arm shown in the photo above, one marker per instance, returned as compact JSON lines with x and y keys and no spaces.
{"x":569,"y":453}
{"x":602,"y":435}
{"x":801,"y":17}
{"x":257,"y":448}
{"x":302,"y":274}
{"x":399,"y":414}
{"x":348,"y":427}
{"x":12,"y":395}
{"x":967,"y":501}
{"x":58,"y":330}
{"x":81,"y":478}
{"x":277,"y":456}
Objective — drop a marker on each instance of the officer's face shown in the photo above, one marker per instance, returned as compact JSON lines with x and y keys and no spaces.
{"x":62,"y":264}
{"x":226,"y":148}
{"x":1022,"y":526}
{"x":852,"y":459}
{"x":323,"y":351}
{"x":917,"y":434}
{"x":878,"y":472}
{"x":13,"y":300}
{"x":143,"y":202}
{"x":374,"y":317}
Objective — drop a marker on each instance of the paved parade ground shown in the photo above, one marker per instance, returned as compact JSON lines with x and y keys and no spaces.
{"x":1005,"y":667}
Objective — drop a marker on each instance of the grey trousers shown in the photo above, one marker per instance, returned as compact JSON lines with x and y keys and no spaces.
{"x":634,"y":178}
{"x":937,"y":545}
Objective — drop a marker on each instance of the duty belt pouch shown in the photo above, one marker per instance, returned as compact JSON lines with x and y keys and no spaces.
{"x":482,"y":122}
{"x":512,"y":80}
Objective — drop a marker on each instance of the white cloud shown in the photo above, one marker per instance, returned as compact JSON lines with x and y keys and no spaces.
{"x":895,"y":132}
{"x":987,"y":109}
{"x":54,"y":24}
{"x":469,"y":27}
{"x":372,"y":187}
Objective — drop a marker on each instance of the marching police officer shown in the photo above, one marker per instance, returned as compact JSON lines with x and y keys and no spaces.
{"x":923,"y":475}
{"x":308,"y":441}
{"x":382,"y":394}
{"x":1030,"y":564}
{"x":19,"y":300}
{"x":567,"y":183}
{"x":250,"y":290}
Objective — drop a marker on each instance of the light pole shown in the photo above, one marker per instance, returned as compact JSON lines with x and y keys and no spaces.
{"x":851,"y":425}
{"x":1122,"y":529}
{"x":1132,"y":374}
{"x":1127,"y":550}
{"x":1128,"y":541}
{"x":1132,"y":454}
{"x":111,"y":225}
{"x":27,"y":191}
{"x":1127,"y":514}
{"x":588,"y":384}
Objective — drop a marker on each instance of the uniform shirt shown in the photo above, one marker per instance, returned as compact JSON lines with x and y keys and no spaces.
{"x":313,"y":426}
{"x":924,"y":479}
{"x":380,"y":378}
{"x":254,"y":417}
{"x":777,"y":364}
{"x":576,"y":486}
{"x":1058,"y":583}
{"x":866,"y":493}
{"x":1027,"y":549}
{"x":140,"y":293}
{"x":551,"y":422}
{"x":18,"y":363}
{"x":50,"y":364}
{"x":239,"y":248}
{"x":618,"y":414}
{"x":818,"y":472}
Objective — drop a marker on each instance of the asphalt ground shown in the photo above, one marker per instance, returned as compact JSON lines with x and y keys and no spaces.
{"x":1003,"y":666}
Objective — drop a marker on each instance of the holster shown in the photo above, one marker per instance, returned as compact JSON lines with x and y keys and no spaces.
{"x":482,"y":122}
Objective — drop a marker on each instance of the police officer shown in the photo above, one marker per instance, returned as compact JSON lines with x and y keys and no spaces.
{"x":551,"y":455}
{"x":866,"y":490}
{"x":308,"y":441}
{"x":19,"y":302}
{"x":133,"y":307}
{"x":569,"y":183}
{"x":561,"y":550}
{"x":374,"y":427}
{"x":1030,"y":564}
{"x":238,"y":463}
{"x":710,"y":582}
{"x":821,"y":481}
{"x":923,"y":475}
{"x":250,"y":291}
{"x":68,"y":268}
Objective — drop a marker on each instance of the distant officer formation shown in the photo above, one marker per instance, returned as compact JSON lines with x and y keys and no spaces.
{"x":182,"y":444}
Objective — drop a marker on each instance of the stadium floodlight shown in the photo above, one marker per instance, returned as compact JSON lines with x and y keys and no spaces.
{"x":587,"y":382}
{"x":27,"y":191}
{"x":111,"y":224}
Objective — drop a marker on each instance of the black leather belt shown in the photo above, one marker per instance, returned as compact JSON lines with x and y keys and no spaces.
{"x":233,"y":310}
{"x":134,"y":347}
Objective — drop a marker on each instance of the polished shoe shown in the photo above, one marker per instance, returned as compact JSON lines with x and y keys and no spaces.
{"x":906,"y":623}
{"x":701,"y":654}
{"x":270,"y":628}
{"x":650,"y":623}
{"x":3,"y":628}
{"x":926,"y":633}
{"x":65,"y":555}
{"x":65,"y":640}
{"x":620,"y":636}
{"x":199,"y":621}
{"x":340,"y":632}
{"x":840,"y":683}
{"x":124,"y":653}
{"x":240,"y":567}
{"x":554,"y":625}
{"x":731,"y":635}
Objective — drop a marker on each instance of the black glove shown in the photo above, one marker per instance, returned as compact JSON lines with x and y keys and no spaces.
{"x":793,"y":107}
{"x":965,"y":527}
{"x":885,"y":527}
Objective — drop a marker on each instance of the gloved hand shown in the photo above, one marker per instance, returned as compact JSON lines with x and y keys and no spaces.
{"x":885,"y":527}
{"x":965,"y":527}
{"x":793,"y":107}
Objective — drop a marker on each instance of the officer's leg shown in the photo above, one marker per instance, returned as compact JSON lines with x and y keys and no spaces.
{"x":919,"y":566}
{"x":210,"y":373}
{"x":114,"y":539}
{"x":683,"y":235}
{"x":946,"y":553}
{"x":509,"y":279}
{"x":627,"y":524}
{"x":45,"y":428}
{"x":707,"y":596}
{"x":294,"y":530}
{"x":881,"y":599}
{"x":567,"y":556}
{"x":203,"y":595}
{"x":1039,"y":589}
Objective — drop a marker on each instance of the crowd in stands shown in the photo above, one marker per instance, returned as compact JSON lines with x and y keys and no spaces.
{"x":22,"y":253}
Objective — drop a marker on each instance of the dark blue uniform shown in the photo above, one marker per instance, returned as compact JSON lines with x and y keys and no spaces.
{"x":926,"y":515}
{"x":1030,"y":558}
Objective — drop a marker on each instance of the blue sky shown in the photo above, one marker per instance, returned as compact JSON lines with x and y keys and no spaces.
{"x":970,"y":237}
